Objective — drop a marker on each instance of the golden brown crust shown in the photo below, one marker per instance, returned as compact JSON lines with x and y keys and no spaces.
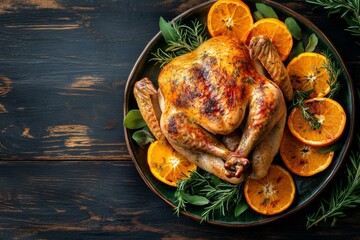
{"x":262,"y":49}
{"x":213,"y":91}
{"x":146,"y":98}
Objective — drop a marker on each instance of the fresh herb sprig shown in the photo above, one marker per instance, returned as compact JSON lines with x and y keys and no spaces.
{"x":344,"y":195}
{"x":334,"y":71}
{"x":349,"y":10}
{"x":223,"y":197}
{"x":187,"y":190}
{"x":180,"y":39}
{"x":299,"y":101}
{"x":217,"y":196}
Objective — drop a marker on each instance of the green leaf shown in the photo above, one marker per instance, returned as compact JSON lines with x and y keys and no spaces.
{"x":257,"y":15}
{"x":313,"y":41}
{"x":266,"y":10}
{"x":215,"y":180}
{"x":331,"y":148}
{"x":296,"y":50}
{"x":167,"y":31}
{"x":181,"y":39}
{"x":134,"y":120}
{"x":294,"y":28}
{"x":143,"y":137}
{"x":194,"y":199}
{"x":240,"y":208}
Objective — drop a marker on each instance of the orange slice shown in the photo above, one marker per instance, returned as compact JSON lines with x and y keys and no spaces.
{"x":272,"y":194}
{"x":329,"y":114}
{"x":229,"y":17}
{"x":276,"y":31}
{"x":302,"y":159}
{"x":167,"y":165}
{"x":307,"y":71}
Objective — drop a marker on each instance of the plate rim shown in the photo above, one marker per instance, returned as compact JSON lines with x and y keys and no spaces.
{"x":327,"y":180}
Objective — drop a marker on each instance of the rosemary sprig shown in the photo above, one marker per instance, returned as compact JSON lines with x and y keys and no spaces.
{"x":334,"y":71}
{"x":188,"y":188}
{"x":180,"y":39}
{"x":205,"y":189}
{"x":223,"y":197}
{"x":344,"y":195}
{"x":298,"y":101}
{"x":349,"y":10}
{"x":162,"y":57}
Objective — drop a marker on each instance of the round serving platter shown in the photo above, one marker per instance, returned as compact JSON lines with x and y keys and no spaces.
{"x":307,"y":188}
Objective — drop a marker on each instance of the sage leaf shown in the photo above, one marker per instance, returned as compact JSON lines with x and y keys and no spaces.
{"x":266,"y":10}
{"x":313,"y":41}
{"x":143,"y":137}
{"x":240,"y":208}
{"x":194,"y":199}
{"x":257,"y":15}
{"x":296,"y":50}
{"x":293,"y":27}
{"x":330,"y":148}
{"x":134,"y":120}
{"x":215,"y":180}
{"x":146,"y":128}
{"x":167,"y":31}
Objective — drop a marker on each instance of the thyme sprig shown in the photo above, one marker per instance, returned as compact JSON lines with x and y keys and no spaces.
{"x":180,"y":39}
{"x":349,"y":10}
{"x":205,"y":189}
{"x":345,"y":194}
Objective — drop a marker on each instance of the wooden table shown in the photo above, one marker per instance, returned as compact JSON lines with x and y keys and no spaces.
{"x":63,"y":68}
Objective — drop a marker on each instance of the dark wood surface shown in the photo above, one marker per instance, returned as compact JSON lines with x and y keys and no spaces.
{"x":63,"y":68}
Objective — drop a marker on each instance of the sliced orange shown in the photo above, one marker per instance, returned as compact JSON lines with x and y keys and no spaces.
{"x":276,"y":31}
{"x":272,"y":194}
{"x":302,"y":159}
{"x":230,"y":18}
{"x":328,"y":113}
{"x":308,"y":71}
{"x":168,"y":165}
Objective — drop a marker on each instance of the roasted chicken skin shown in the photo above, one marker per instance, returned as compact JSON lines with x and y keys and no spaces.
{"x":216,"y":91}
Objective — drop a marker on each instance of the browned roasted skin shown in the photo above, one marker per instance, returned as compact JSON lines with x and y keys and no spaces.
{"x":147,"y":99}
{"x":261,"y":48}
{"x":210,"y":92}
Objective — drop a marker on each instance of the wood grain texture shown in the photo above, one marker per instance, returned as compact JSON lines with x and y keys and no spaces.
{"x":63,"y":69}
{"x":109,"y":200}
{"x":64,"y":65}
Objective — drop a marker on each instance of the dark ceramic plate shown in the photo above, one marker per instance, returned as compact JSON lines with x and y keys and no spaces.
{"x":308,"y":188}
